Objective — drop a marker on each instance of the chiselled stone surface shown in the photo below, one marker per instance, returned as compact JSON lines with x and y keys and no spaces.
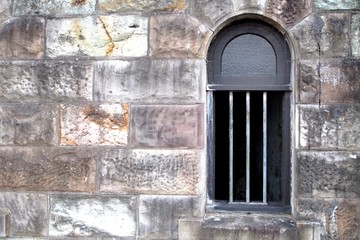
{"x":210,"y":12}
{"x":89,"y":124}
{"x":4,"y":10}
{"x":170,"y":126}
{"x":149,"y":171}
{"x":49,"y":80}
{"x":330,"y":127}
{"x":159,"y":215}
{"x":355,"y":35}
{"x":177,"y":35}
{"x":54,"y":7}
{"x":47,"y":169}
{"x":329,"y":174}
{"x":142,"y":6}
{"x":290,"y":11}
{"x":92,"y":216}
{"x":337,"y":5}
{"x":28,"y":213}
{"x":158,"y":80}
{"x":309,"y":82}
{"x":247,"y":4}
{"x":341,"y":217}
{"x":110,"y":35}
{"x":22,"y":38}
{"x":28,"y":124}
{"x":323,"y":35}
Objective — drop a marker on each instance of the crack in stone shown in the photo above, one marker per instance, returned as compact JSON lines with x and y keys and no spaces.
{"x":110,"y":49}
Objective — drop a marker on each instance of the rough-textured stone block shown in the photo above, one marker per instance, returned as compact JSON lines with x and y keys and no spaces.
{"x":28,"y":213}
{"x":47,"y":169}
{"x":309,"y":230}
{"x":337,"y":5}
{"x":329,"y":174}
{"x":91,"y":216}
{"x":340,"y":217}
{"x":170,"y":126}
{"x":22,"y":38}
{"x":158,"y":80}
{"x":210,"y":12}
{"x":28,"y":124}
{"x":142,"y":6}
{"x":176,"y":36}
{"x":309,"y":82}
{"x":4,"y":222}
{"x":159,"y":215}
{"x":355,"y":35}
{"x":111,"y":35}
{"x":54,"y":7}
{"x":322,"y":35}
{"x":329,"y":127}
{"x":88,"y":125}
{"x":48,"y":80}
{"x":289,"y":11}
{"x":5,"y":10}
{"x":150,"y":171}
{"x":243,"y":4}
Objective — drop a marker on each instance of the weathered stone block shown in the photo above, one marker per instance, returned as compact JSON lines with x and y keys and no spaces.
{"x":47,"y":169}
{"x":22,"y":38}
{"x":28,"y":124}
{"x":329,"y":127}
{"x":309,"y":82}
{"x":323,"y":35}
{"x":159,"y":215}
{"x":110,"y":35}
{"x":92,"y":216}
{"x":329,"y":174}
{"x":355,"y":35}
{"x":254,"y":4}
{"x":88,"y":125}
{"x":170,"y":126}
{"x":54,"y":7}
{"x":210,"y":12}
{"x":289,"y":11}
{"x":5,"y":10}
{"x":142,"y":6}
{"x":150,"y":171}
{"x":4,"y":222}
{"x":28,"y":213}
{"x":48,"y":80}
{"x":337,"y":5}
{"x":158,"y":80}
{"x":177,"y":36}
{"x":309,"y":230}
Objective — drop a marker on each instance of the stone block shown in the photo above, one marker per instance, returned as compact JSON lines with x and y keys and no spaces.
{"x":150,"y":172}
{"x":337,"y":5}
{"x":4,"y":222}
{"x":92,"y":216}
{"x":209,"y":12}
{"x":5,"y":10}
{"x":329,"y":174}
{"x":111,"y":35}
{"x":323,"y":35}
{"x":142,"y":6}
{"x":310,"y":230}
{"x":159,"y":215}
{"x":28,"y":124}
{"x":329,"y":127}
{"x":355,"y":35}
{"x":105,"y":124}
{"x":49,"y":80}
{"x":309,"y":81}
{"x":47,"y":169}
{"x":167,"y":126}
{"x":290,"y":11}
{"x":158,"y":80}
{"x":22,"y":38}
{"x":28,"y":213}
{"x":177,"y":36}
{"x":250,"y":4}
{"x":54,"y":7}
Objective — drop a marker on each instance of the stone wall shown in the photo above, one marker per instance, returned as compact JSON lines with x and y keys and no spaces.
{"x":102,"y":118}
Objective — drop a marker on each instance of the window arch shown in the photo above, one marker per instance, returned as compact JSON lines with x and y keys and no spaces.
{"x":249,"y":87}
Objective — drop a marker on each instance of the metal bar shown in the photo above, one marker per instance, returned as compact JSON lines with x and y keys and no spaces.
{"x":248,"y":147}
{"x":264,"y":146}
{"x":231,"y":147}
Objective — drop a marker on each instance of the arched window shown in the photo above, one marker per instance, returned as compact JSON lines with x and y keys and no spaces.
{"x":249,"y":118}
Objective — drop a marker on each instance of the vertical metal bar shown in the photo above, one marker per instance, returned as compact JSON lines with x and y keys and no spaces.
{"x":248,"y":147}
{"x":231,"y":147}
{"x":264,"y":146}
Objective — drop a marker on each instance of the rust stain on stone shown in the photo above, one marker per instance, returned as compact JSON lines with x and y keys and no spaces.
{"x":105,"y":119}
{"x":176,"y":5}
{"x":78,"y":2}
{"x":110,"y":47}
{"x":348,"y":217}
